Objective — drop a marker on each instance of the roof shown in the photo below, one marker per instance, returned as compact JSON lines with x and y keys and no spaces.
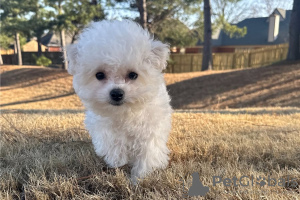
{"x":280,"y":11}
{"x":257,"y":31}
{"x":53,"y":39}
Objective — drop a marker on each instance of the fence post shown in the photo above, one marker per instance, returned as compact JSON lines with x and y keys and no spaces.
{"x":234,"y":61}
{"x":192,"y":59}
{"x":281,"y":53}
{"x":249,"y":60}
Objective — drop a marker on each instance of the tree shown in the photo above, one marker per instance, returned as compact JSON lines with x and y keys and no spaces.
{"x":95,"y":3}
{"x":227,"y":12}
{"x":223,"y":14}
{"x":79,"y":13}
{"x":159,"y":10}
{"x":39,"y":22}
{"x":176,"y":33}
{"x":142,"y":6}
{"x":198,"y":25}
{"x":5,"y":42}
{"x":18,"y":47}
{"x":71,"y":16}
{"x":13,"y":20}
{"x":60,"y":26}
{"x":165,"y":19}
{"x":266,"y":7}
{"x":207,"y":61}
{"x":232,"y":11}
{"x":294,"y":32}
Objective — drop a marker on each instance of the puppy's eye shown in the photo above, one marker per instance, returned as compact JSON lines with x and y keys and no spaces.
{"x":100,"y":76}
{"x":132,"y":75}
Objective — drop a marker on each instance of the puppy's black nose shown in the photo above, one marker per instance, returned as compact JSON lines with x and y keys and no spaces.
{"x":117,"y":94}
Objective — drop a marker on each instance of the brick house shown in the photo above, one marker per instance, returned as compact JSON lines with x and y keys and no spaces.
{"x":52,"y":41}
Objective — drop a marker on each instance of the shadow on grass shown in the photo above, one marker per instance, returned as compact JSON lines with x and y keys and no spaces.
{"x":280,"y":111}
{"x":236,"y":89}
{"x":37,"y":100}
{"x":287,"y":111}
{"x":43,"y":111}
{"x":25,"y":77}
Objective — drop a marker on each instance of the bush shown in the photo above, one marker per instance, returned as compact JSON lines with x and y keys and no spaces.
{"x":43,"y":61}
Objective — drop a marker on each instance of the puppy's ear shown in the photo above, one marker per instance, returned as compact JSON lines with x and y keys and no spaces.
{"x":72,"y":53}
{"x":159,"y":54}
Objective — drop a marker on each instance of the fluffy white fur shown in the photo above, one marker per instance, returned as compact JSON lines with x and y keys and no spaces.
{"x":137,"y":131}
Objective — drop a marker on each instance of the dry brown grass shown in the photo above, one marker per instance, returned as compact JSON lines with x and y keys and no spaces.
{"x":270,"y":86}
{"x":45,"y":152}
{"x":30,"y":87}
{"x":43,"y":88}
{"x":49,"y":155}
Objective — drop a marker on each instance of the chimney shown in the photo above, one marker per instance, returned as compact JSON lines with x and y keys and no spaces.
{"x":274,"y":21}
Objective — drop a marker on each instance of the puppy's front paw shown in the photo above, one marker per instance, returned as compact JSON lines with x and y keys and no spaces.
{"x":115,"y":162}
{"x":134,"y":180}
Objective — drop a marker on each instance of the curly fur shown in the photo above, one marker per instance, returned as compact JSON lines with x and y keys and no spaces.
{"x":137,"y":131}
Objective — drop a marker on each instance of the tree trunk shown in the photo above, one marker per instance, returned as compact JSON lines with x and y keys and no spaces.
{"x":74,"y":35}
{"x":19,"y":53}
{"x":294,"y":33}
{"x":39,"y":54}
{"x":63,"y":38}
{"x":15,"y":58}
{"x":1,"y":61}
{"x":63,"y":48}
{"x":142,"y":5}
{"x":207,"y":48}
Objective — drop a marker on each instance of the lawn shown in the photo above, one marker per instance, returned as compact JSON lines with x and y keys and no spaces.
{"x":31,"y":87}
{"x":45,"y":152}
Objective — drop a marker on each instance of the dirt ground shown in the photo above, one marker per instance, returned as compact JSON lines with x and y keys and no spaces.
{"x":31,"y":87}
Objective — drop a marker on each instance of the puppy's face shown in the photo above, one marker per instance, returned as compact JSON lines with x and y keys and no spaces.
{"x":121,"y":72}
{"x":106,"y":86}
{"x":114,"y":85}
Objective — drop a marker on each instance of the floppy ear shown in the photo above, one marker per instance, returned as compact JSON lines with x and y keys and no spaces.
{"x":159,"y":54}
{"x":72,"y":58}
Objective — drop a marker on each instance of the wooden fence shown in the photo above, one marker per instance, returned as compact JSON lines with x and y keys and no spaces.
{"x":224,"y":61}
{"x":29,"y":58}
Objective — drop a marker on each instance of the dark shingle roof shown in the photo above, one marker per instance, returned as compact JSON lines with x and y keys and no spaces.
{"x":257,"y":32}
{"x":45,"y":40}
{"x":52,"y":39}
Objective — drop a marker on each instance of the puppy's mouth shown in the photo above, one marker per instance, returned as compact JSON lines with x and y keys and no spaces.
{"x":116,"y":103}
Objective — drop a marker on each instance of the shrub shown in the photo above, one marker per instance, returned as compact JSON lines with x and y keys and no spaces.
{"x":43,"y":61}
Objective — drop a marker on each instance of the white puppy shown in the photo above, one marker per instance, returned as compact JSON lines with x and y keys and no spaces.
{"x":117,"y":68}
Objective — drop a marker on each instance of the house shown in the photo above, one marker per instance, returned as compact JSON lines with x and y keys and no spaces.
{"x":6,"y":51}
{"x":261,"y":32}
{"x":52,"y":41}
{"x":32,"y":46}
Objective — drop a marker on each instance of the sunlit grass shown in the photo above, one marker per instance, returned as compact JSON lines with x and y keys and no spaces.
{"x":46,"y":153}
{"x":49,"y":155}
